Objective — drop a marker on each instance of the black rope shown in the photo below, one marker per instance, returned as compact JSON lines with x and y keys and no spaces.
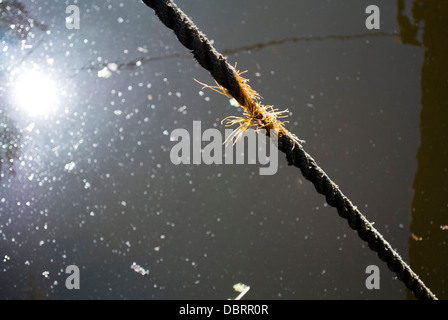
{"x":225,"y":75}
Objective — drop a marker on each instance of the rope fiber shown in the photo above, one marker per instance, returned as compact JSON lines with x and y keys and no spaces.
{"x":227,"y":77}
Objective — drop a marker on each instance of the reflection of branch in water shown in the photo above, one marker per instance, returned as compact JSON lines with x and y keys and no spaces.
{"x":260,"y":46}
{"x":16,"y":19}
{"x":228,"y":52}
{"x":30,"y":51}
{"x":130,"y":64}
{"x":10,"y":140}
{"x":16,"y":23}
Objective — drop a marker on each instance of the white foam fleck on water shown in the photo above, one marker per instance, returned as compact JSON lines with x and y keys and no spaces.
{"x":69,"y":166}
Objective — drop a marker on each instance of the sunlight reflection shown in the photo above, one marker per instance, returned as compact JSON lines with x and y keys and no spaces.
{"x":35,"y":93}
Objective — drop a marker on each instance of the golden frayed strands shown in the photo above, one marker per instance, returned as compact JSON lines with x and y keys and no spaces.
{"x":256,"y":115}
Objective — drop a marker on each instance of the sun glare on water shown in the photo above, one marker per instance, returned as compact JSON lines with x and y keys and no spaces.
{"x":35,"y":93}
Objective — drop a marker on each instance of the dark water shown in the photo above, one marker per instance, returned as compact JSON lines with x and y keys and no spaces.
{"x":91,"y":182}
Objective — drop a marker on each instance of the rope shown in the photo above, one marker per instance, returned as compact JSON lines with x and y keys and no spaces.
{"x":228,"y":78}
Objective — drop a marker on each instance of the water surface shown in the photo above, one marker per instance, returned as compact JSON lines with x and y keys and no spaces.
{"x":86,"y":177}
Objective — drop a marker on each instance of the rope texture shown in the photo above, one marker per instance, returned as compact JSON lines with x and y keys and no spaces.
{"x":226,"y":76}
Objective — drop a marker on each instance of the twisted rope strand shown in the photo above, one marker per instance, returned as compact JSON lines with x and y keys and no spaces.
{"x":227,"y":77}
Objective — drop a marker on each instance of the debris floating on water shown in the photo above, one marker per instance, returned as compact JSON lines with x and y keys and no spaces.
{"x":69,"y":166}
{"x":242,"y":289}
{"x":104,"y":73}
{"x":139,"y":269}
{"x":416,"y":238}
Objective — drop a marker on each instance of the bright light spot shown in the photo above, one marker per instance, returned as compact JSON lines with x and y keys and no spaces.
{"x":35,"y":93}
